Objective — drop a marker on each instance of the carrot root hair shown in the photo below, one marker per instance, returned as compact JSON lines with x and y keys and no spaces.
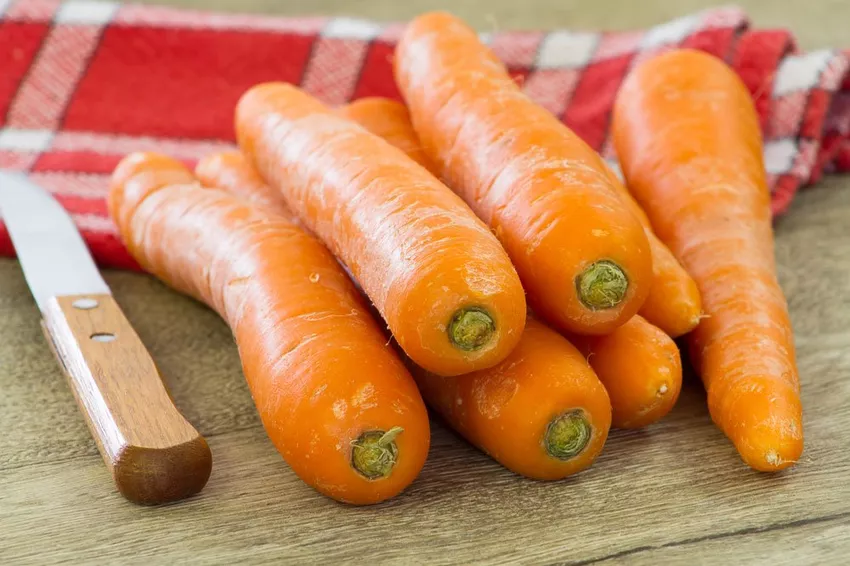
{"x":374,"y":453}
{"x":602,"y":285}
{"x":567,"y":435}
{"x":471,"y":328}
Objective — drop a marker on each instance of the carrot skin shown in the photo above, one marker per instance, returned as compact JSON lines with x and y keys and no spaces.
{"x":673,"y":304}
{"x":582,"y":255}
{"x":689,"y":142}
{"x":641,"y":369}
{"x":441,"y":280}
{"x":389,"y":120}
{"x":229,"y":170}
{"x":326,"y":385}
{"x":512,"y":411}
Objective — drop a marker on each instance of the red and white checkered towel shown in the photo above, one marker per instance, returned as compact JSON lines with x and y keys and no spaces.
{"x":82,"y":83}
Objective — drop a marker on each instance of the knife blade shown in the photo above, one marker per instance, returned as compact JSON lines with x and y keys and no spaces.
{"x":154,"y":454}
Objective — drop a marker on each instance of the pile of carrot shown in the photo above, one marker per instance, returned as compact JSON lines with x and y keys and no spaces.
{"x":467,"y":251}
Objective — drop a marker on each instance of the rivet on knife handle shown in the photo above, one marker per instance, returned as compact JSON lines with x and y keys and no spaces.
{"x":154,"y":454}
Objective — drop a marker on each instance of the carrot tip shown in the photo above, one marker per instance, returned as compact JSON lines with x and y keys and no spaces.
{"x":601,"y":286}
{"x":567,"y":435}
{"x":374,"y":453}
{"x":471,"y":328}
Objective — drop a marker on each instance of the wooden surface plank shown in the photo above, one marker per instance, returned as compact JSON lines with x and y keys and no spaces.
{"x":673,"y":492}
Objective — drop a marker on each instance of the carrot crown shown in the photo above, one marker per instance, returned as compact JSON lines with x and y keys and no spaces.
{"x":471,"y":328}
{"x":567,"y":435}
{"x":602,"y":285}
{"x":374,"y":453}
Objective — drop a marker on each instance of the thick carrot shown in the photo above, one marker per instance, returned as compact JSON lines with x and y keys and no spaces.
{"x":640,"y":367}
{"x":389,"y":120}
{"x":688,"y":137}
{"x":673,"y":303}
{"x":230,"y":170}
{"x":582,"y":256}
{"x":333,"y":397}
{"x":541,"y":413}
{"x":440,"y":279}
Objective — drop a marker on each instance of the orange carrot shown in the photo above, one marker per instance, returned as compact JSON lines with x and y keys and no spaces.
{"x":640,"y":367}
{"x":541,"y":413}
{"x":688,"y":137}
{"x":230,"y":170}
{"x":673,"y":303}
{"x":583,"y":257}
{"x":440,"y":279}
{"x":565,"y":427}
{"x":333,"y":397}
{"x":389,"y":120}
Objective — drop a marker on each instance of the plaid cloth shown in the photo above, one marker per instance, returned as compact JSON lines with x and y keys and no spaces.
{"x":83,"y":83}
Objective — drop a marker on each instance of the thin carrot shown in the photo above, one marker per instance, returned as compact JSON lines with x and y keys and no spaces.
{"x":440,"y":279}
{"x":231,"y":171}
{"x":673,"y":303}
{"x":583,"y":257}
{"x":640,"y":367}
{"x":541,"y":413}
{"x":688,"y":137}
{"x":333,"y":397}
{"x":389,"y":120}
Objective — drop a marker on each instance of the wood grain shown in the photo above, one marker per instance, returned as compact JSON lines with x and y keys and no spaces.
{"x":154,"y":454}
{"x":676,"y":492}
{"x":824,"y":540}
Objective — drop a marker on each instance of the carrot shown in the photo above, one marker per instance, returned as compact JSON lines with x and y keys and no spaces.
{"x":582,"y":256}
{"x":389,"y":120}
{"x":559,"y":415}
{"x":230,"y":170}
{"x":640,"y":367}
{"x":688,"y":137}
{"x":333,"y":397}
{"x":673,"y":303}
{"x":541,"y":413}
{"x":440,"y":279}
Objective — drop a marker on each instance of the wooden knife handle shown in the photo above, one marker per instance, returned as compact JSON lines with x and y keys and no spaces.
{"x":154,"y":454}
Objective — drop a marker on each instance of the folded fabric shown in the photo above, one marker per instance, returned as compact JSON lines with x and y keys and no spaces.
{"x":82,"y":83}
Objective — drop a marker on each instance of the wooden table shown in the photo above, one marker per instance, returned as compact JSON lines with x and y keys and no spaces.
{"x":672,"y":492}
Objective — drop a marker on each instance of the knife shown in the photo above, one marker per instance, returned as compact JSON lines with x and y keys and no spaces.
{"x":154,"y":454}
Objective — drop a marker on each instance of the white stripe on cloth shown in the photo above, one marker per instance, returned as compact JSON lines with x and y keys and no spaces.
{"x":147,"y":15}
{"x":95,"y":223}
{"x":93,"y":186}
{"x":86,"y":12}
{"x":113,"y":144}
{"x":52,"y":79}
{"x":334,"y":68}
